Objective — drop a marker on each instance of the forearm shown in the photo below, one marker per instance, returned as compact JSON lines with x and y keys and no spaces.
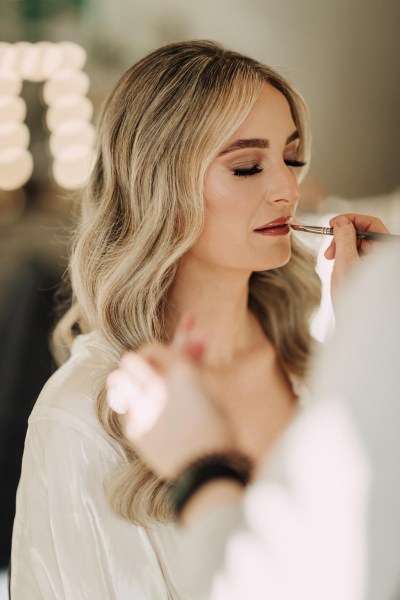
{"x":202,"y":541}
{"x":211,"y":495}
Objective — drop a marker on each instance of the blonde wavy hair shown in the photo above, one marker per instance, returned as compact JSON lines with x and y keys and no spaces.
{"x":159,"y":130}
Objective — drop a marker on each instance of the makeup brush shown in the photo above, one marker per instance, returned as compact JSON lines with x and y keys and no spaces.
{"x":361,"y":235}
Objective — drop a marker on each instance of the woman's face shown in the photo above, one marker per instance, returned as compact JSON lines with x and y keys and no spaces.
{"x":249,"y":186}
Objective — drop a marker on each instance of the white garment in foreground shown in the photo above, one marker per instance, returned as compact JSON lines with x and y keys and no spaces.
{"x":302,"y":531}
{"x":322,"y":521}
{"x":67,"y":543}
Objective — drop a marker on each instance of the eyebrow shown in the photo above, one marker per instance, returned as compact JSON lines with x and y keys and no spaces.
{"x":255,"y":143}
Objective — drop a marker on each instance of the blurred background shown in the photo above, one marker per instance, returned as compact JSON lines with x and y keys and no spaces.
{"x":59,"y":59}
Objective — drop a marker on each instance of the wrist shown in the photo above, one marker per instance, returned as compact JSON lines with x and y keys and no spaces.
{"x":217,"y":440}
{"x":210,"y":495}
{"x":232,"y":467}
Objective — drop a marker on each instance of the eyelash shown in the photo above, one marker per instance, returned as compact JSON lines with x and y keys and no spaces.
{"x":247,"y":172}
{"x":256,"y":169}
{"x":295,"y":163}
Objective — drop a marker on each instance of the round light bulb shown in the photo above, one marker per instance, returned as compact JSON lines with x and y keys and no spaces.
{"x":12,"y":108}
{"x":71,"y":133}
{"x":65,"y":82}
{"x":4,"y":46}
{"x":71,"y":168}
{"x":74,"y":56}
{"x":51,"y":57}
{"x":8,"y":57}
{"x":66,"y":108}
{"x":10,"y":83}
{"x":29,"y":62}
{"x":20,"y":48}
{"x":14,"y":134}
{"x":16,"y":166}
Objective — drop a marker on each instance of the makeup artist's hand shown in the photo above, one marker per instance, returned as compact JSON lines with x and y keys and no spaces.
{"x":345,"y":248}
{"x":165,"y":413}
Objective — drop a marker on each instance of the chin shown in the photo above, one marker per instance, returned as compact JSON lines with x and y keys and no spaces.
{"x":280,"y":259}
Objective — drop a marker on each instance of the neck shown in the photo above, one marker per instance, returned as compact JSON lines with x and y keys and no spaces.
{"x":217,"y":298}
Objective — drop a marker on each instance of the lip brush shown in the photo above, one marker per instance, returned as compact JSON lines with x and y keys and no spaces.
{"x":361,"y":235}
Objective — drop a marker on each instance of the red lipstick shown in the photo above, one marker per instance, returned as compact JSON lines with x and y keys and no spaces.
{"x":278,"y":226}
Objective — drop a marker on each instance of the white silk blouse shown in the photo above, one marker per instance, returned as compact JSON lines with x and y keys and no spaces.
{"x":67,"y":543}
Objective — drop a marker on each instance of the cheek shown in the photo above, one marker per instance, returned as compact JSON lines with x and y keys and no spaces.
{"x":226,"y":199}
{"x":227,"y":212}
{"x":223,"y":240}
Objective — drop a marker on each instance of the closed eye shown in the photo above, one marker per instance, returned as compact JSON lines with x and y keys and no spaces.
{"x":295,"y":163}
{"x":247,"y":172}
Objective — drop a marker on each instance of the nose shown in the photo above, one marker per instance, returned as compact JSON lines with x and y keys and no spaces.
{"x":283,"y":185}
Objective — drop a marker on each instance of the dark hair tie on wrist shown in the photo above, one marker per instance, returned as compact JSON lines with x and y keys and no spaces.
{"x":232,"y":465}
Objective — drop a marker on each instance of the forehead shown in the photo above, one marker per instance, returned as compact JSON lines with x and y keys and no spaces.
{"x":270,"y":116}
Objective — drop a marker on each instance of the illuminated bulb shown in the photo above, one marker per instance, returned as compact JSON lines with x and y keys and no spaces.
{"x":65,"y":82}
{"x":16,"y":166}
{"x":72,"y":166}
{"x":66,"y":108}
{"x":29,"y":63}
{"x":8,"y":57}
{"x":74,"y":56}
{"x":71,"y":133}
{"x":4,"y":46}
{"x":51,"y":57}
{"x":20,"y":48}
{"x":12,"y":108}
{"x":59,"y":66}
{"x":10,"y":83}
{"x":14,"y":134}
{"x":38,"y":62}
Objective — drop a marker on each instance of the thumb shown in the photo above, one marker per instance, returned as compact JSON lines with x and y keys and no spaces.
{"x":345,"y":241}
{"x":346,"y":255}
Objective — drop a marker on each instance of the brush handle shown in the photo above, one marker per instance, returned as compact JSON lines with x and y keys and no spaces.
{"x":378,"y":237}
{"x":361,"y":235}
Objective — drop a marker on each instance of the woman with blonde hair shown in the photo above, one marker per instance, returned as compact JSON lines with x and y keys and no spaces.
{"x":200,"y":154}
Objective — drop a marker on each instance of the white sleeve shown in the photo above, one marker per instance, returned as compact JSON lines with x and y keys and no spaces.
{"x":305,"y":518}
{"x":67,"y":543}
{"x":362,"y":369}
{"x":299,"y":533}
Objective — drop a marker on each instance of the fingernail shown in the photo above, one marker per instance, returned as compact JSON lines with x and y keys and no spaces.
{"x":196,"y":350}
{"x":187,"y":323}
{"x":182,"y":332}
{"x":117,"y":400}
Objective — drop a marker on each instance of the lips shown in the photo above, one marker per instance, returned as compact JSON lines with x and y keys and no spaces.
{"x":278,"y":226}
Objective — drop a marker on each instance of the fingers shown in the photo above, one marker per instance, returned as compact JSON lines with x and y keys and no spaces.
{"x":346,"y":248}
{"x":196,"y":347}
{"x":139,"y":393}
{"x":363,"y":222}
{"x":185,"y":326}
{"x":142,"y":376}
{"x":331,"y":250}
{"x":343,"y":236}
{"x":189,"y":341}
{"x":344,"y":245}
{"x":138,"y":368}
{"x":121,"y":391}
{"x":134,"y":380}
